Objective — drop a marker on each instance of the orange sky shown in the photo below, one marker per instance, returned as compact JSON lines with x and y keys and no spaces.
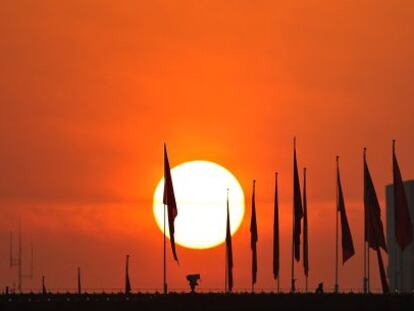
{"x":89,"y":91}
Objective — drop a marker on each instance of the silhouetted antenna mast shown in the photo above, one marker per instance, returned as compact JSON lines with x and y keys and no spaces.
{"x":79,"y":282}
{"x":11,"y":249}
{"x":18,"y":260}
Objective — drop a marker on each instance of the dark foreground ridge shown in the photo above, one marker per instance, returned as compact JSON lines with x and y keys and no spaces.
{"x":237,"y":302}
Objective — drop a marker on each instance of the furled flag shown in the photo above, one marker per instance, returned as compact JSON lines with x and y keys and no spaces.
{"x":169,"y":200}
{"x":229,"y":250}
{"x":374,"y":232}
{"x":253,"y":235}
{"x":127,"y":281}
{"x":297,"y":206}
{"x":347,"y":243}
{"x":403,"y":226}
{"x":276,"y":233}
{"x":305,"y":227}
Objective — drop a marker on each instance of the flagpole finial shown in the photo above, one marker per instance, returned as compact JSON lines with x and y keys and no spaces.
{"x":393,"y":145}
{"x":365,"y":152}
{"x":294,"y":141}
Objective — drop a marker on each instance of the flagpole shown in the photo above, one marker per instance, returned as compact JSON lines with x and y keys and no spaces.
{"x":368,"y":271}
{"x":365,"y":279}
{"x":127,"y":282}
{"x":292,"y":280}
{"x":337,"y":233}
{"x":292,"y":284}
{"x":254,"y":254}
{"x":367,"y":246}
{"x":225,"y":270}
{"x":396,"y":273}
{"x":336,"y":255}
{"x":401,"y":288}
{"x":400,"y":273}
{"x":165,"y":259}
{"x":227,"y":279}
{"x":305,"y":232}
{"x":276,"y":229}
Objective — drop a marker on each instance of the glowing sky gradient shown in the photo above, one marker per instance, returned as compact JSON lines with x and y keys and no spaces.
{"x":90,"y":90}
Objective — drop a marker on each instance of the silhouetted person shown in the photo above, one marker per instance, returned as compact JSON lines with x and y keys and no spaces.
{"x":7,"y":290}
{"x":44,"y":291}
{"x":319,"y":289}
{"x":293,"y":285}
{"x":193,"y":281}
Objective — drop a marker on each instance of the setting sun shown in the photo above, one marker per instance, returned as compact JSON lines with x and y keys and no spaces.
{"x":200,"y":189}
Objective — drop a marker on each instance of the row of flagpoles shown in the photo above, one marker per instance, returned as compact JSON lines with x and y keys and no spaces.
{"x":374,"y":238}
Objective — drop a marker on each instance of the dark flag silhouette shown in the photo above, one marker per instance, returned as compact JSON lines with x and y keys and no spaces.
{"x":305,"y":230}
{"x":229,"y":251}
{"x":403,"y":226}
{"x":169,"y":201}
{"x":297,"y":206}
{"x":374,"y":231}
{"x":276,"y":254}
{"x":297,"y":217}
{"x":347,"y":243}
{"x":127,"y":281}
{"x":253,"y":236}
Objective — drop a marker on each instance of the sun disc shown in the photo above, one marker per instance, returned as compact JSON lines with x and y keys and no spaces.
{"x":201,"y":190}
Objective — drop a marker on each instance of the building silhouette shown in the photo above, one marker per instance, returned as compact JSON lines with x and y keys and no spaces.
{"x":400,"y":265}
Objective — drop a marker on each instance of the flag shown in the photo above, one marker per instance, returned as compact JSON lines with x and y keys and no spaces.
{"x":403,"y":226}
{"x":253,"y":235}
{"x":383,"y":277}
{"x":374,"y":231}
{"x":305,"y":227}
{"x":229,"y":250}
{"x":169,"y":200}
{"x":297,"y":206}
{"x":347,"y":243}
{"x":127,"y":281}
{"x":276,"y":233}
